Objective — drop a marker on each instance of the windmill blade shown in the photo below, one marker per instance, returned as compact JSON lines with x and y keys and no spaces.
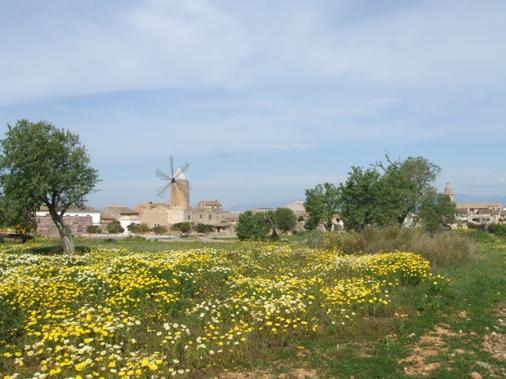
{"x":162,"y":175}
{"x":182,"y":169}
{"x":171,"y":166}
{"x":163,"y":189}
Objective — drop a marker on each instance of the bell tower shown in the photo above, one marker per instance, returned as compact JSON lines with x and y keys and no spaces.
{"x":449,"y":192}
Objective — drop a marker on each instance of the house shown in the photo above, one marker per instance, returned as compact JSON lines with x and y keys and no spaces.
{"x":76,"y":218}
{"x":479,"y":213}
{"x":124,"y":215}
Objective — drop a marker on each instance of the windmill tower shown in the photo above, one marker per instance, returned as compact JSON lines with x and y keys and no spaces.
{"x":449,"y":192}
{"x":178,"y":184}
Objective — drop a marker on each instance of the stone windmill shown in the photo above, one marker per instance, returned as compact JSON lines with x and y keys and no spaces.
{"x":178,"y":184}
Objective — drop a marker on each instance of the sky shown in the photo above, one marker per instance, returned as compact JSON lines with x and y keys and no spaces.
{"x":263,"y":98}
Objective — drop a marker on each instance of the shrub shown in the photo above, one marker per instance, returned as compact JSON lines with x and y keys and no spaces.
{"x":252,"y":227}
{"x":204,"y":228}
{"x":183,"y":227}
{"x":159,"y":229}
{"x":138,"y":228}
{"x":498,"y":229}
{"x":94,"y":229}
{"x":442,"y":248}
{"x":115,"y":227}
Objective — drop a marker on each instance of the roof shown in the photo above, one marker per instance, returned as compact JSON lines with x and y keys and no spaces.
{"x":479,"y":205}
{"x":73,"y":209}
{"x":116,"y":211}
{"x":209,"y":203}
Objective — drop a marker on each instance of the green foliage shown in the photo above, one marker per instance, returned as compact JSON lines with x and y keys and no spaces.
{"x":94,"y":229}
{"x":253,"y":227}
{"x":284,"y":219}
{"x":138,"y":228}
{"x":43,"y":165}
{"x":15,"y":213}
{"x":436,"y":211}
{"x":159,"y":229}
{"x":322,"y":203}
{"x":114,"y":227}
{"x":204,"y":228}
{"x":361,"y":204}
{"x":498,"y":229}
{"x":441,"y":249}
{"x":183,"y":227}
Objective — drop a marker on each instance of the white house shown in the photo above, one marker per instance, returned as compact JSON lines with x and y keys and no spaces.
{"x":75,"y":212}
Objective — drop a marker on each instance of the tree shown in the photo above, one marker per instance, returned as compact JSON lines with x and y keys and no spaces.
{"x":359,"y":198}
{"x":138,"y":228}
{"x":252,"y":226}
{"x":403,"y":186}
{"x":322,"y":203}
{"x":204,"y":228}
{"x":43,"y":165}
{"x":16,"y":214}
{"x":436,"y":210}
{"x":183,"y":227}
{"x":114,"y":227}
{"x":284,"y":219}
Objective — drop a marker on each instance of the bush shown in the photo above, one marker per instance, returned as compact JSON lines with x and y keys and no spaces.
{"x":204,"y":228}
{"x":252,"y":227}
{"x":183,"y":227}
{"x":159,"y":229}
{"x":94,"y":229}
{"x":498,"y":229}
{"x":114,"y":227}
{"x":443,"y":248}
{"x":138,"y":228}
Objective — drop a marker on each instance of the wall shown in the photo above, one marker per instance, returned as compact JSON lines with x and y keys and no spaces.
{"x":77,"y":225}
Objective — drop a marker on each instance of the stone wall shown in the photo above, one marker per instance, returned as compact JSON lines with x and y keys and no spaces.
{"x":77,"y":224}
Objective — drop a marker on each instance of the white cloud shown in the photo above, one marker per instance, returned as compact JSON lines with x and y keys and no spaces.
{"x":186,"y":44}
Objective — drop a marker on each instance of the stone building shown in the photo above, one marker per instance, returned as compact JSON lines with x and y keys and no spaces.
{"x":77,"y":219}
{"x":124,"y":215}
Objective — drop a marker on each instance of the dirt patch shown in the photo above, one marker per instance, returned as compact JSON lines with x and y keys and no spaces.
{"x":298,"y":373}
{"x":495,"y":341}
{"x":429,"y":345}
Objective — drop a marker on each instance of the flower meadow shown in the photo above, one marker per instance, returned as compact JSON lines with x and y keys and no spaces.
{"x":115,"y":313}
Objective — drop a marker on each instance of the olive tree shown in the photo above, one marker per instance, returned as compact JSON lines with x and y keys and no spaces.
{"x":41,"y":165}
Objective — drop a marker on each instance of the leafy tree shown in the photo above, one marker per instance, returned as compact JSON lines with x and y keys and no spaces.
{"x":94,"y":229}
{"x":284,"y":219}
{"x":359,"y":198}
{"x":183,"y":227}
{"x":138,"y":228}
{"x":43,"y":165}
{"x":322,"y":203}
{"x":403,"y":185}
{"x":436,"y":211}
{"x":16,"y":214}
{"x":252,"y":226}
{"x":114,"y":227}
{"x":204,"y":228}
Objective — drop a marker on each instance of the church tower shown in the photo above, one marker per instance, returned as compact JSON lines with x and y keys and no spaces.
{"x":449,"y":192}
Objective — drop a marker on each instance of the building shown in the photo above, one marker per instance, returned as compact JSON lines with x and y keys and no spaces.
{"x":124,"y":215}
{"x":77,"y":219}
{"x":299,"y":209}
{"x":479,"y":213}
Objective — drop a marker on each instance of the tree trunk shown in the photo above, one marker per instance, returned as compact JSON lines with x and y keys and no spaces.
{"x":67,"y":242}
{"x":63,"y":230}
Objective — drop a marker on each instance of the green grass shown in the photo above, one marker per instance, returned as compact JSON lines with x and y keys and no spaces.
{"x":476,"y":287}
{"x":374,"y":347}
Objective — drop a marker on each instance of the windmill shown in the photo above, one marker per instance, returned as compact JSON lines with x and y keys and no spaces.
{"x":178,"y":184}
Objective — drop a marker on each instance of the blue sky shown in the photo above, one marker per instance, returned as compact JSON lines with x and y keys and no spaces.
{"x":263,"y":98}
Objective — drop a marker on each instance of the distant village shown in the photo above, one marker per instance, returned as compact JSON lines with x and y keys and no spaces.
{"x":177,"y":210}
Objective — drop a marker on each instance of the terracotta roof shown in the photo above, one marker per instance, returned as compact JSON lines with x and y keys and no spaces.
{"x":116,"y":211}
{"x":73,"y":209}
{"x":479,"y":205}
{"x":209,"y":203}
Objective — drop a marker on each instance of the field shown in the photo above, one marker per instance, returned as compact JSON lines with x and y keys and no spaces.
{"x":236,"y":310}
